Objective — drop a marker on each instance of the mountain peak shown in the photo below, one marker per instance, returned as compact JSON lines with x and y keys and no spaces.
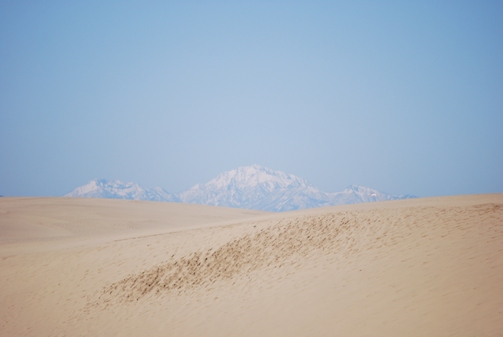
{"x":116,"y":189}
{"x":358,"y":188}
{"x":103,"y":181}
{"x":246,"y":177}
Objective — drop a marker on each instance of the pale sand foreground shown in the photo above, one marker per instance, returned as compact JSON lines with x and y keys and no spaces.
{"x":81,"y":267}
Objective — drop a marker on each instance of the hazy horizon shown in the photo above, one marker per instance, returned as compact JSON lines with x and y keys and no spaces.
{"x":403,"y":98}
{"x":107,"y":181}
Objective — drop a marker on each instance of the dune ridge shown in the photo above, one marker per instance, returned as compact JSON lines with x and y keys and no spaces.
{"x":412,"y":268}
{"x":285,"y":241}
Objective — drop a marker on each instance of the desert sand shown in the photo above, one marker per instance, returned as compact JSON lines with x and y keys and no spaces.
{"x":96,"y":267}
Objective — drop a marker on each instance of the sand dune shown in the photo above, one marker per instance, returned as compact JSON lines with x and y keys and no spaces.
{"x":420,"y":267}
{"x":52,"y":219}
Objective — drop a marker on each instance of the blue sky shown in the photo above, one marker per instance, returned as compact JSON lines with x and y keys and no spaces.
{"x":403,"y":97}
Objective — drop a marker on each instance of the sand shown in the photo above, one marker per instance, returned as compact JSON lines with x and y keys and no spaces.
{"x":96,"y":267}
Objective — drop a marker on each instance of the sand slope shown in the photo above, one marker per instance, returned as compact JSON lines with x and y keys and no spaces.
{"x":421,"y":267}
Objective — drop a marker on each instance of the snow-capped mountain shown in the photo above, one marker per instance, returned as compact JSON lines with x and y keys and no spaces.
{"x":101,"y":188}
{"x":258,"y":187}
{"x":355,"y":194}
{"x":252,"y":187}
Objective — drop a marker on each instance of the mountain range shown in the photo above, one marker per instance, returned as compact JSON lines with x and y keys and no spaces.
{"x":116,"y":189}
{"x":252,"y":187}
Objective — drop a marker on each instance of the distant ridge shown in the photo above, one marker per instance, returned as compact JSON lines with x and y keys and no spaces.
{"x":252,"y":187}
{"x":116,"y":189}
{"x":258,"y":187}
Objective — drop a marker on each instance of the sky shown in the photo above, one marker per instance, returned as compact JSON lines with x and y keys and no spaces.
{"x":405,"y":97}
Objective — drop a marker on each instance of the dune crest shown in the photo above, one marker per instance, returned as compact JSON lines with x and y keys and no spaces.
{"x":412,"y":267}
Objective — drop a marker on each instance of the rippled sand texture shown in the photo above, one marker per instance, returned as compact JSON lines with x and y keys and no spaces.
{"x":421,"y":267}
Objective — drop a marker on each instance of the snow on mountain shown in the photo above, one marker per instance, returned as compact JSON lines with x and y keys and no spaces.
{"x":101,"y":188}
{"x":257,"y":187}
{"x":252,"y":187}
{"x":355,"y":194}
